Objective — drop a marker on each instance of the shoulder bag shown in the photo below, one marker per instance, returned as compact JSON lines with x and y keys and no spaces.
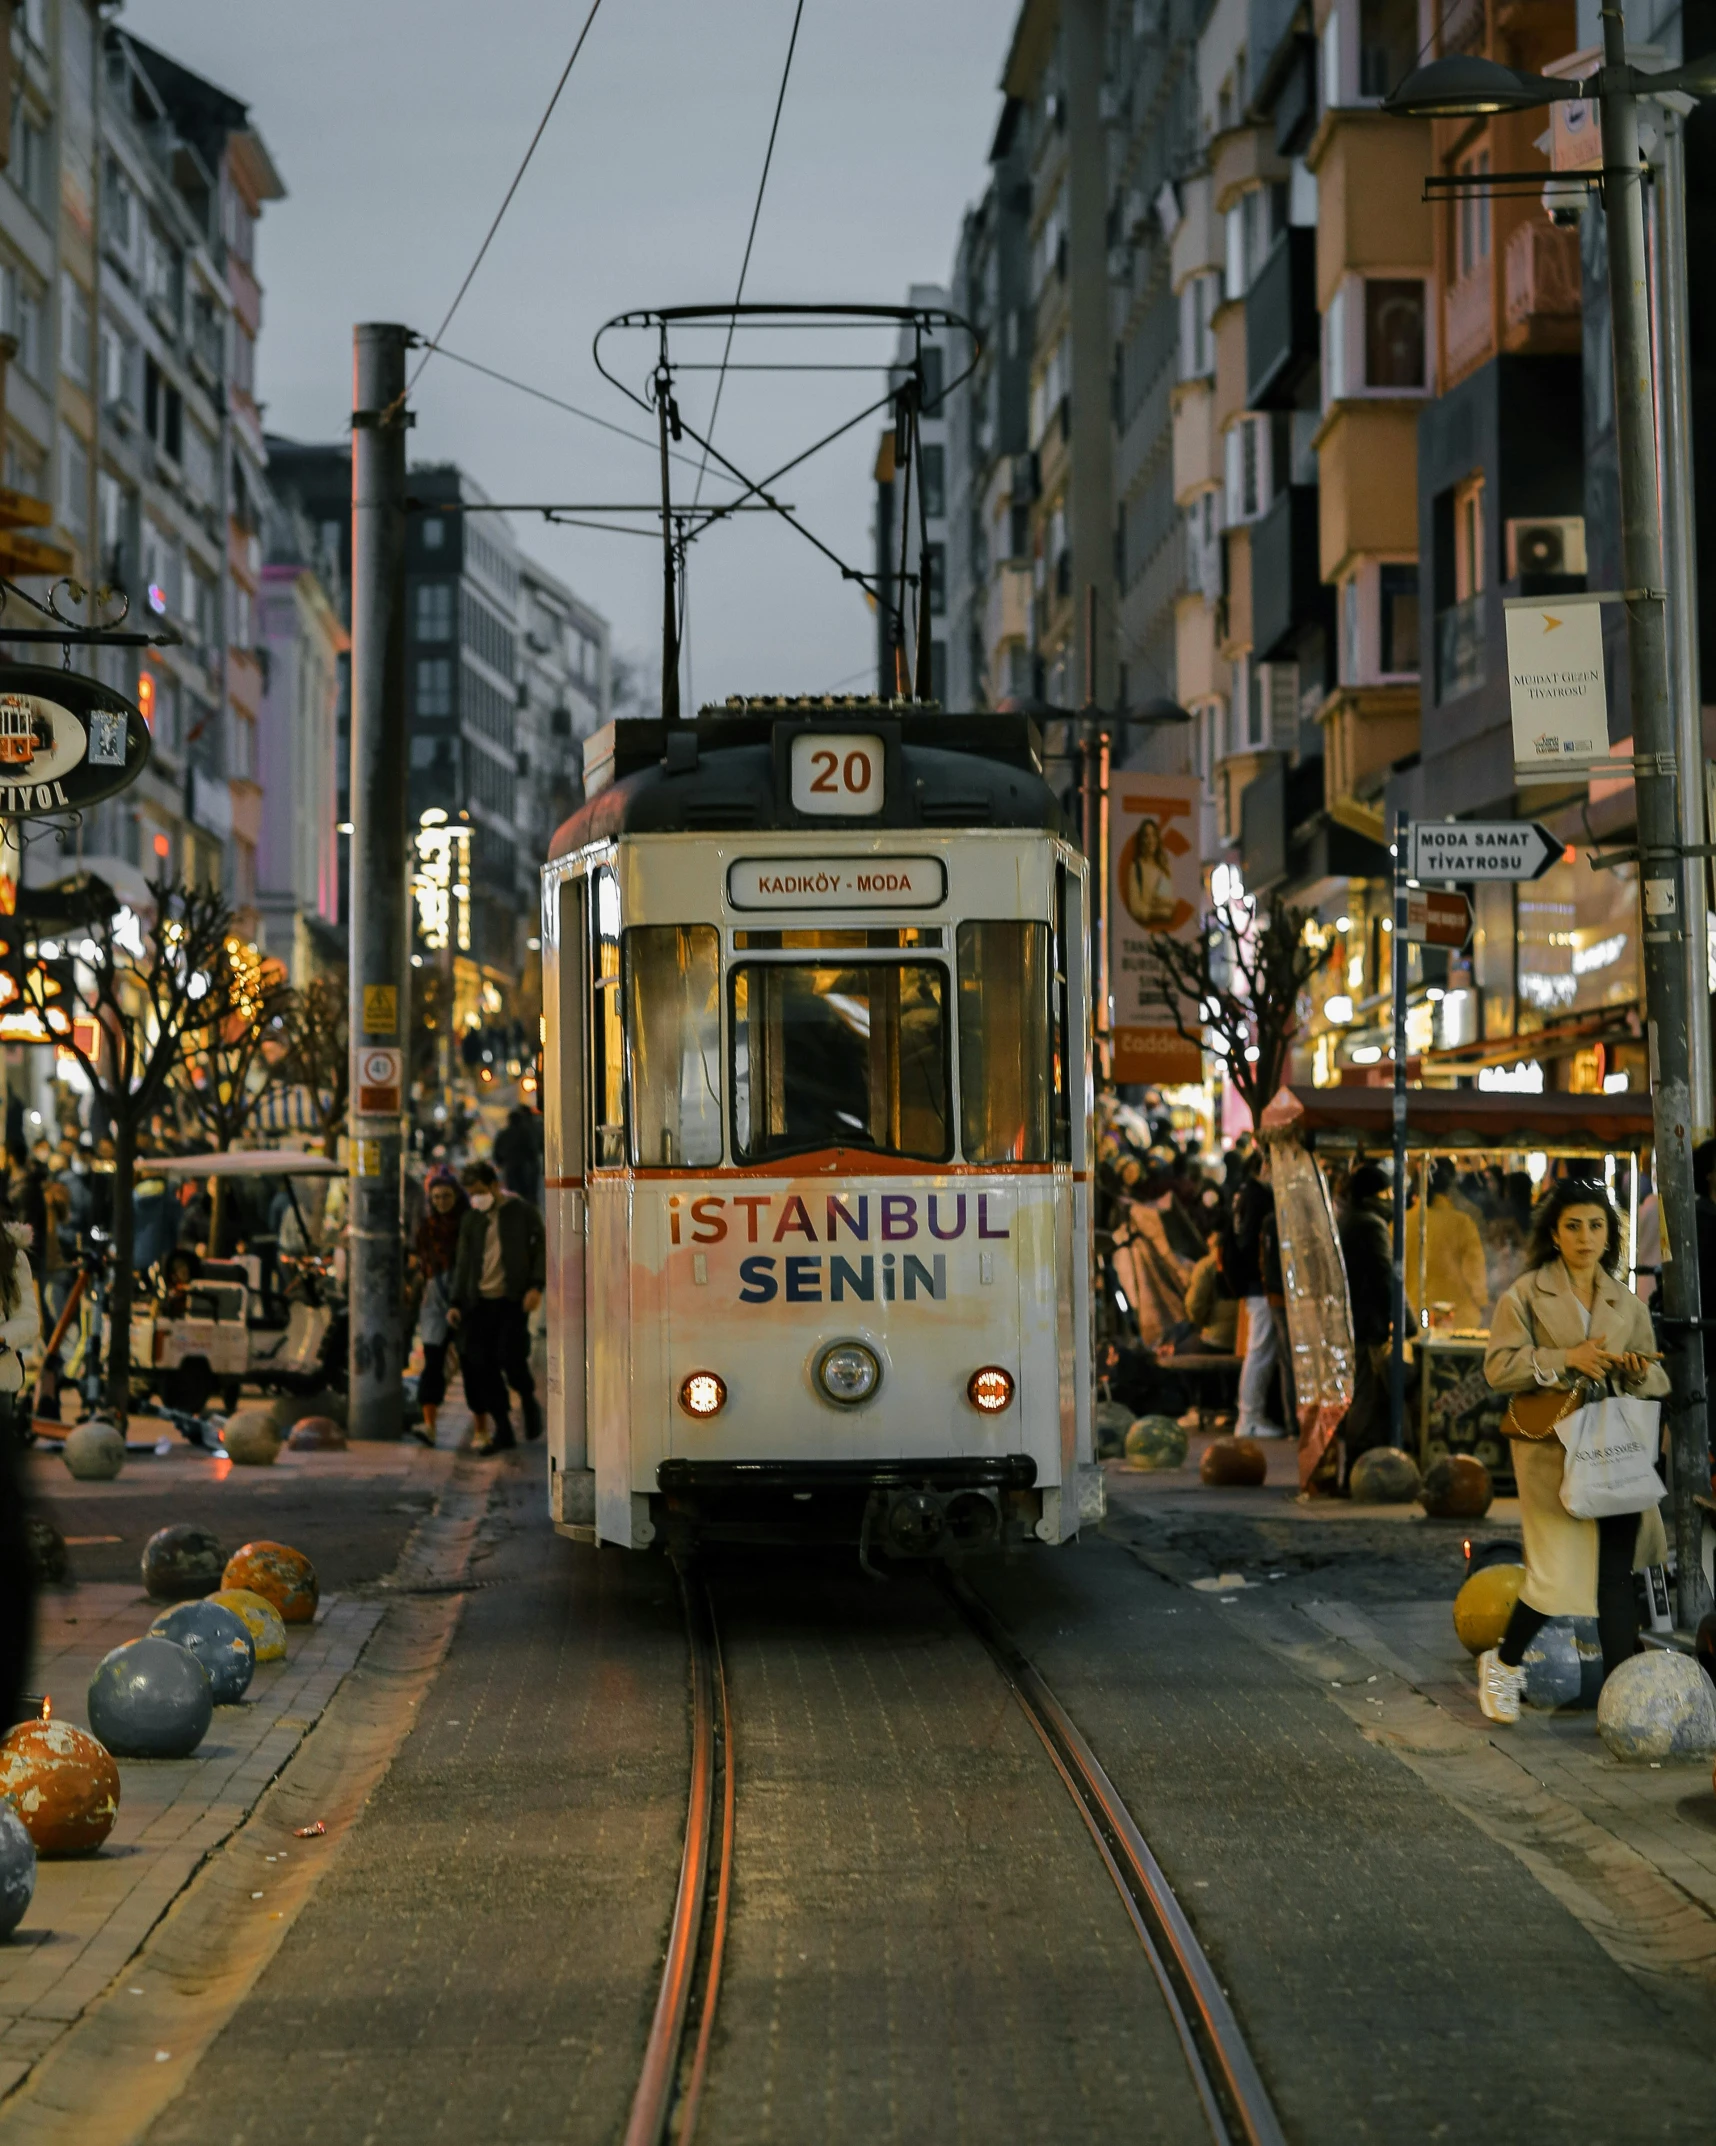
{"x":1535,"y":1414}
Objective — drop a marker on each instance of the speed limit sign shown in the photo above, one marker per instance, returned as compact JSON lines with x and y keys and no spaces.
{"x":380,"y":1073}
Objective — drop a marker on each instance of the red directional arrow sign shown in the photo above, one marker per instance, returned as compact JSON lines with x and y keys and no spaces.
{"x":1434,"y":919}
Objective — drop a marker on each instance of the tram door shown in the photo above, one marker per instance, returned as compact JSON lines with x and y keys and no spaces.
{"x":566,"y":1141}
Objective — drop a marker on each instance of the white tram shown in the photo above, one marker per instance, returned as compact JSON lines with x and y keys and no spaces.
{"x":818,"y":1135}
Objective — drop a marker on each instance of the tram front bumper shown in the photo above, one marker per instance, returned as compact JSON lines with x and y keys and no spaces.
{"x":913,"y":1508}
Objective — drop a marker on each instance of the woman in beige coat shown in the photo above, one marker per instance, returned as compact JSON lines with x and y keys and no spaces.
{"x":1568,"y":1318}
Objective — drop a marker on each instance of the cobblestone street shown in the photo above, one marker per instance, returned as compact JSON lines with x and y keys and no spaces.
{"x":1427,"y":1928}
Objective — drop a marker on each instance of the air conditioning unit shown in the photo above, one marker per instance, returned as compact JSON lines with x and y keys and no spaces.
{"x":1547,"y":545}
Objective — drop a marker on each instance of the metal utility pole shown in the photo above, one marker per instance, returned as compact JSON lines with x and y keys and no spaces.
{"x":1397,"y":1241}
{"x":1680,"y":547}
{"x":380,"y":850}
{"x":1662,"y":874}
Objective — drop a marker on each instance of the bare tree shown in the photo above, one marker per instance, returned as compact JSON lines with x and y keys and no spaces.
{"x":149,"y":987}
{"x":224,"y":1070}
{"x":1239,"y":980}
{"x":318,"y":1051}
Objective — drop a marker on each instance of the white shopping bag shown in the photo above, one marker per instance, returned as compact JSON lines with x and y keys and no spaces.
{"x":1612,"y":1444}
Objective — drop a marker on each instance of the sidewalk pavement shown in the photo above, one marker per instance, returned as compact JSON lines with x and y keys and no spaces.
{"x":1359,"y":1599}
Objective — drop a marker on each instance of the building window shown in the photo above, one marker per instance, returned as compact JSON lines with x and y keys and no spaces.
{"x":434,"y":686}
{"x":1249,"y":483}
{"x":935,"y":481}
{"x":434,"y":611}
{"x":1394,"y":332}
{"x":1474,"y":215}
{"x":75,"y":353}
{"x":21,"y":314}
{"x":1470,"y":578}
{"x":931,"y":360}
{"x":1388,"y":44}
{"x":32,"y":160}
{"x":200,"y":465}
{"x":935,"y":564}
{"x":74,"y":483}
{"x":1399,"y":592}
{"x":1352,"y":637}
{"x":1199,"y":298}
{"x":434,"y":531}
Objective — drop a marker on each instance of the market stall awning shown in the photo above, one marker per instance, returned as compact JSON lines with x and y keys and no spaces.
{"x":1463,"y":1118}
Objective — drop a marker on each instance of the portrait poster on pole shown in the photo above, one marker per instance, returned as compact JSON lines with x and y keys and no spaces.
{"x":1153,"y":841}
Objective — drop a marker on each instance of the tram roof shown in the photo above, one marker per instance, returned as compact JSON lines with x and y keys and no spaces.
{"x":730,"y":772}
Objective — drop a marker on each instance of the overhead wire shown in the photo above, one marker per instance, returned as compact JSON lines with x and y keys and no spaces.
{"x":571,"y":408}
{"x":751,"y":237}
{"x":506,"y":203}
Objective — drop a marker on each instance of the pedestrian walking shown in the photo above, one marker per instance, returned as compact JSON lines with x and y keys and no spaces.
{"x":1456,"y":1282}
{"x":20,"y":1328}
{"x":1364,"y":1223}
{"x":433,"y":1253}
{"x":1569,"y":1318}
{"x":498,"y":1274}
{"x":1251,"y":1204}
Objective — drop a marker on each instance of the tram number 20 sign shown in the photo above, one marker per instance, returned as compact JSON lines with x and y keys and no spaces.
{"x":837,"y":776}
{"x":66,"y":741}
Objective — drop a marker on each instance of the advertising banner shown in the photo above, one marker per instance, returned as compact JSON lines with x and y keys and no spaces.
{"x":1557,"y":688}
{"x":1156,"y":888}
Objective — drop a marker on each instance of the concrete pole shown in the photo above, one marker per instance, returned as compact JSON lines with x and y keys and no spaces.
{"x":1397,"y":1231}
{"x":1660,"y":871}
{"x":1680,"y":550}
{"x":380,"y":879}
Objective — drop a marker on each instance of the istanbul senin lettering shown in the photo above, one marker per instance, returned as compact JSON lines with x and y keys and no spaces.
{"x":850,"y":1219}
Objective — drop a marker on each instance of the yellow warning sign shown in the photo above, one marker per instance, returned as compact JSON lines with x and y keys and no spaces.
{"x":380,"y":1010}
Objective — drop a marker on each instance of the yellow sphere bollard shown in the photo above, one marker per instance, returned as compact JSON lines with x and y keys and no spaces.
{"x":1484,"y":1605}
{"x":263,"y":1621}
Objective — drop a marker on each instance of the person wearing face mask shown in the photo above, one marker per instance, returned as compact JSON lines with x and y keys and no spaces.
{"x":433,"y":1253}
{"x":1569,"y":1318}
{"x":498,"y":1273}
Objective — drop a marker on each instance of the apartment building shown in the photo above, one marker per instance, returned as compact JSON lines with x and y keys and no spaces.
{"x":565,"y":694}
{"x":991,"y":477}
{"x":911,"y":521}
{"x":304,"y":647}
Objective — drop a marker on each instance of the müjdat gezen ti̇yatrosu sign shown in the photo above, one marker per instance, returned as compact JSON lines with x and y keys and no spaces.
{"x":1153,"y":842}
{"x":1556,"y":686}
{"x":66,"y":741}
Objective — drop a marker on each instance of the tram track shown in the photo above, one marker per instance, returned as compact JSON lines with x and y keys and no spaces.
{"x":1228,"y":2087}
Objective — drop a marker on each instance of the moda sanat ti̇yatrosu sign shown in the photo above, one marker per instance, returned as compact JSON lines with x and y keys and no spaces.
{"x":66,"y":741}
{"x":1555,"y":681}
{"x":1153,"y":837}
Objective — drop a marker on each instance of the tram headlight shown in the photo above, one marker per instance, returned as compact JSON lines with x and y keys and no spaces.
{"x":848,"y":1373}
{"x":989,"y":1390}
{"x":703,"y":1393}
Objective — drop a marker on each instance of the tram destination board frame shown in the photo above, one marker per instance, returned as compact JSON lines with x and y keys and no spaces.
{"x":67,"y":742}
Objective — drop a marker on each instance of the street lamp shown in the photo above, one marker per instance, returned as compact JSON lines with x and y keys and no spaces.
{"x":1461,"y":87}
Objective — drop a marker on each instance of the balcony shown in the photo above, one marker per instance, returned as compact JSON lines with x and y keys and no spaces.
{"x":1287,"y":592}
{"x":1460,"y":649}
{"x":1008,"y":613}
{"x":1468,"y":322}
{"x":1282,"y":343}
{"x":1544,"y":297}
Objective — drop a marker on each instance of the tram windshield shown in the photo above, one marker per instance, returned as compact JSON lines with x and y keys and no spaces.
{"x":673,"y":1034}
{"x":1004,"y":1041}
{"x":852,"y":1055}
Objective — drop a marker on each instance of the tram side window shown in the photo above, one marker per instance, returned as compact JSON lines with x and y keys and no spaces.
{"x":850,"y":1055}
{"x":1004,"y":1041}
{"x":673,"y":1031}
{"x":607,"y":1042}
{"x":1065,"y":1072}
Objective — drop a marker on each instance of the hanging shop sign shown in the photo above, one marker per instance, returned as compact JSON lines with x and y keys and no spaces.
{"x":1557,"y":688}
{"x":1156,"y":887}
{"x":1434,"y":919}
{"x":66,"y":741}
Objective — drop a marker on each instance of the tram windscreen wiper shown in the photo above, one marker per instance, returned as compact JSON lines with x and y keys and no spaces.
{"x":854,"y":1055}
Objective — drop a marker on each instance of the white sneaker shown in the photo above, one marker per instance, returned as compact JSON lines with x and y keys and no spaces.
{"x":1499,"y":1687}
{"x":1261,"y":1430}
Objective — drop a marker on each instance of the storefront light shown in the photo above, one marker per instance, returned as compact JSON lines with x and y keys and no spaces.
{"x":1368,"y":1054}
{"x":1338,"y":1009}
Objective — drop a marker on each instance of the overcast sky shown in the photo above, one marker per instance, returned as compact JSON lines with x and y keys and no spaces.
{"x":396,"y":125}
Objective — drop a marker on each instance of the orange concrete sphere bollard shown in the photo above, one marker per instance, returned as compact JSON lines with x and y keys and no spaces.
{"x":316,"y":1434}
{"x":279,"y":1575}
{"x":1234,"y":1463}
{"x":1457,"y":1487}
{"x":64,"y":1784}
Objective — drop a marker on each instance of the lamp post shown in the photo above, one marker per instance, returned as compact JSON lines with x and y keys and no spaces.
{"x":1464,"y":87}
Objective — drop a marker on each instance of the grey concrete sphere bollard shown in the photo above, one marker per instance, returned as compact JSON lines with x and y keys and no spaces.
{"x":17,"y":1870}
{"x":1553,"y":1673}
{"x":182,"y":1562}
{"x":1658,"y":1706}
{"x":94,"y":1452}
{"x":220,"y":1640}
{"x":151,"y":1699}
{"x":1384,"y":1476}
